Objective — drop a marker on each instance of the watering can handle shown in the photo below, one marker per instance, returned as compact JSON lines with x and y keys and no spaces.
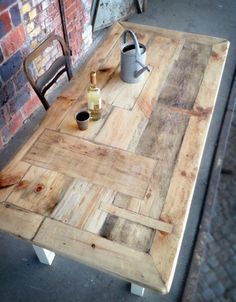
{"x":135,"y":40}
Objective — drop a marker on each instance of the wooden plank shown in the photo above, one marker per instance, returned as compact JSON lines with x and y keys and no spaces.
{"x":122,"y":128}
{"x":80,"y":201}
{"x":173,"y":34}
{"x":121,"y":171}
{"x":131,"y":216}
{"x":127,"y":202}
{"x":40,"y":190}
{"x":127,"y":233}
{"x":18,"y":222}
{"x":162,"y":54}
{"x":161,"y":139}
{"x":185,"y":77}
{"x":100,"y":253}
{"x":178,"y":201}
{"x":122,"y":94}
{"x":96,"y":220}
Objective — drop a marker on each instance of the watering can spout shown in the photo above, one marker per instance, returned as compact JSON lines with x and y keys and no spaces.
{"x":140,"y":71}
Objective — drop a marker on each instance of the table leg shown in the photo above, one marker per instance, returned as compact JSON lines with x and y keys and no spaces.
{"x":44,"y":256}
{"x":137,"y":290}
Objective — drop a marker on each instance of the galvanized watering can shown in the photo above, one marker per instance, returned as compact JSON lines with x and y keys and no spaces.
{"x":133,"y":58}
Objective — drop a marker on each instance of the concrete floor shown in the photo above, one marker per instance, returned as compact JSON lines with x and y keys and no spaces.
{"x":23,"y":278}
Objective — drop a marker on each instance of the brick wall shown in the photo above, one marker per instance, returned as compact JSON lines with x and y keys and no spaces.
{"x":23,"y":25}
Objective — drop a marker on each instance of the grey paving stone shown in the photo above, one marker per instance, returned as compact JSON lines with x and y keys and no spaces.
{"x":218,"y":289}
{"x":208,"y":294}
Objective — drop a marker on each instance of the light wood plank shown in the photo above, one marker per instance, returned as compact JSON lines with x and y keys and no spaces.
{"x":96,"y":220}
{"x":127,"y":202}
{"x":98,"y":252}
{"x":122,"y":129}
{"x":80,"y":201}
{"x":116,"y":169}
{"x":40,"y":190}
{"x":19,"y":222}
{"x":146,"y":221}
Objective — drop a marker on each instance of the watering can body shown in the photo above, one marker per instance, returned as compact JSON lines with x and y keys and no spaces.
{"x":133,"y":58}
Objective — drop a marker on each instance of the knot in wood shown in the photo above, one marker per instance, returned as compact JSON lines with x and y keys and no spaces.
{"x":39,"y":188}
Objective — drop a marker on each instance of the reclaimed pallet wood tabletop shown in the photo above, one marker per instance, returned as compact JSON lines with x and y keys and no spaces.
{"x":117,"y":196}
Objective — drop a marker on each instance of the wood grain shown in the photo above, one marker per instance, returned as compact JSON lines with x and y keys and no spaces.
{"x":79,"y":202}
{"x":100,"y":253}
{"x":162,"y":54}
{"x":19,"y":222}
{"x":125,"y":130}
{"x":119,"y":170}
{"x":40,"y":190}
{"x":143,"y":220}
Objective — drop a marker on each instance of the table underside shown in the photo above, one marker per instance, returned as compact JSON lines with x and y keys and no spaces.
{"x":117,"y":196}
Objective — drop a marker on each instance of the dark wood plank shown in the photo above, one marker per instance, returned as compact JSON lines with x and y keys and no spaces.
{"x":185,"y":78}
{"x":125,"y":232}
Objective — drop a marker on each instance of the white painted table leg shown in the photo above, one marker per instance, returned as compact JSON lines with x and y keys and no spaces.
{"x":44,"y":256}
{"x":137,"y":290}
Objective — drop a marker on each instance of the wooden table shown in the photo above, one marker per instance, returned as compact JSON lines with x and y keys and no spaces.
{"x":117,"y":196}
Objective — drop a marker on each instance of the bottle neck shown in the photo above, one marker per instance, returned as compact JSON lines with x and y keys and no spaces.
{"x":93,"y":79}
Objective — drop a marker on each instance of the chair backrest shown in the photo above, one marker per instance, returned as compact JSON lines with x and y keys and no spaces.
{"x":50,"y":76}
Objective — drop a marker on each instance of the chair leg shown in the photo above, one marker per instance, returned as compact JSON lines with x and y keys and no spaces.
{"x":137,"y":290}
{"x":44,"y":256}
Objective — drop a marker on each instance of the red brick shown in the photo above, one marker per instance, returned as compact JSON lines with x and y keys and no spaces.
{"x":13,"y":41}
{"x":30,"y":106}
{"x":5,"y":23}
{"x":16,"y":123}
{"x":68,"y":3}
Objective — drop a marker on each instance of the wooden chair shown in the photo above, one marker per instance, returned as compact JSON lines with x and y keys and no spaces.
{"x":58,"y":67}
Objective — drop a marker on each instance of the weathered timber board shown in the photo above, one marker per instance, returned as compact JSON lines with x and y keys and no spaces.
{"x":117,"y":196}
{"x":120,"y":170}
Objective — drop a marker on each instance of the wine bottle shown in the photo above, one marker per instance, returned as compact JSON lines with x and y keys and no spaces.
{"x":94,"y":98}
